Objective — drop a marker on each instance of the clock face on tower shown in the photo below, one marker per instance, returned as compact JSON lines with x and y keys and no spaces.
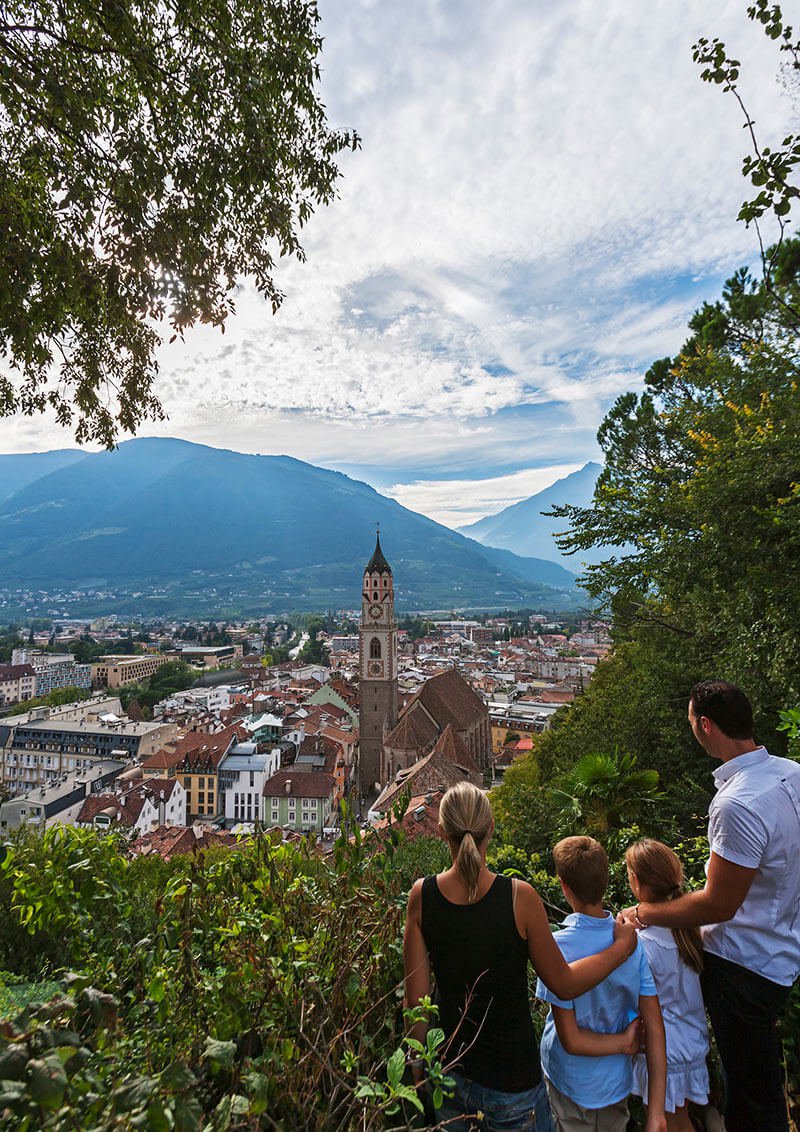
{"x":375,"y":612}
{"x":375,"y":668}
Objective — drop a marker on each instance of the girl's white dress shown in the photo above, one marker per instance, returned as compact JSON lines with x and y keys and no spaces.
{"x":684,"y":1022}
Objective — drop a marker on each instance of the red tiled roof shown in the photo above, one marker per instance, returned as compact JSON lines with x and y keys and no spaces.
{"x":170,"y":841}
{"x":421,"y":819}
{"x":198,"y":749}
{"x":302,"y":784}
{"x":126,"y":809}
{"x":553,"y":697}
{"x":16,"y":671}
{"x":162,"y":760}
{"x":339,"y":736}
{"x":434,"y":772}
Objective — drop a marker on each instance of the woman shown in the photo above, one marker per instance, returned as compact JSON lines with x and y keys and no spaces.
{"x":476,"y":932}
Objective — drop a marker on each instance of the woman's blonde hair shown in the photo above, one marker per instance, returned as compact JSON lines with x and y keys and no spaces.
{"x":466,"y":818}
{"x":657,"y":866}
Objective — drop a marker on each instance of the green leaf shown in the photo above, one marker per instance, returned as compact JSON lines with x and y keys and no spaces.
{"x":220,"y":1054}
{"x":47,"y":1081}
{"x":134,"y":1093}
{"x":13,"y":1061}
{"x":395,"y":1067}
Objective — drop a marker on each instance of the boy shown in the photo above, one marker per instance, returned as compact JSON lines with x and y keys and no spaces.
{"x":591,"y":1092}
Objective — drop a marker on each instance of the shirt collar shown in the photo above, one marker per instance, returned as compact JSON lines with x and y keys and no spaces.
{"x":575,"y":919}
{"x":740,"y":762}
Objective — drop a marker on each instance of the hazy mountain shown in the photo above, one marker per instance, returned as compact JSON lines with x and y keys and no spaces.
{"x":178,"y":522}
{"x":523,"y":529}
{"x":18,"y":471}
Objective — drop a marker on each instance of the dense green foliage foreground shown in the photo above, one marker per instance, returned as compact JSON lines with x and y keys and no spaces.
{"x":252,"y":988}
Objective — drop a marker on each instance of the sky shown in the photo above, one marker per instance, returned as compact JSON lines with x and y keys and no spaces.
{"x":544,"y":194}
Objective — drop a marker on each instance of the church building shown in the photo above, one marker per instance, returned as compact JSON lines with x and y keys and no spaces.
{"x":377,"y":667}
{"x":446,"y":719}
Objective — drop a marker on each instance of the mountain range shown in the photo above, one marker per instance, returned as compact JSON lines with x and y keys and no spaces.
{"x":165,"y":526}
{"x":523,"y":529}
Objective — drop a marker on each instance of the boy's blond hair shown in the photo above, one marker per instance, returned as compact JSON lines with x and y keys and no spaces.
{"x":582,"y":864}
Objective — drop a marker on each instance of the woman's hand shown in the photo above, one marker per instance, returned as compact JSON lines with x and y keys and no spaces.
{"x":625,"y":932}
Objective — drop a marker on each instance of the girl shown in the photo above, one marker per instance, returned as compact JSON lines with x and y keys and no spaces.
{"x":676,"y":958}
{"x":475,"y":933}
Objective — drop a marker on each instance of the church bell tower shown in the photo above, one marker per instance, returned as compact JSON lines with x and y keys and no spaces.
{"x":377,"y":668}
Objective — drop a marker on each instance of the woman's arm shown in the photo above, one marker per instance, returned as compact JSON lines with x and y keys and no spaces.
{"x":416,"y":961}
{"x":567,"y":980}
{"x":655,"y":1048}
{"x":587,"y":1043}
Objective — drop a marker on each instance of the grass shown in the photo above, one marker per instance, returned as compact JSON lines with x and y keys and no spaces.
{"x":16,"y":995}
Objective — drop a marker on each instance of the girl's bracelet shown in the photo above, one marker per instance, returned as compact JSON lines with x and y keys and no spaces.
{"x":637,"y":919}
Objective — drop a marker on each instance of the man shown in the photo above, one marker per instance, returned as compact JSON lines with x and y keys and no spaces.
{"x":751,"y":902}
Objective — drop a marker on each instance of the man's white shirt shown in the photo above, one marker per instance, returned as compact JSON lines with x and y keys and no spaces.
{"x":754,"y":821}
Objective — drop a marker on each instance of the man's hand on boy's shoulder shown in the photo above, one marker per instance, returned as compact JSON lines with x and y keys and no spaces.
{"x":625,"y":932}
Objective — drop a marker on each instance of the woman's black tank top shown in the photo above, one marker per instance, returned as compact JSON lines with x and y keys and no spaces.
{"x":480,"y":966}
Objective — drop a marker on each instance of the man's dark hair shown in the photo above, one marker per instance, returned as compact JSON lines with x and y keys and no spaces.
{"x":724,"y":704}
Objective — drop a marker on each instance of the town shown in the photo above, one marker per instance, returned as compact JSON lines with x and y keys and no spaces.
{"x":377,"y":715}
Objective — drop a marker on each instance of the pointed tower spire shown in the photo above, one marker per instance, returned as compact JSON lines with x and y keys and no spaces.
{"x":378,"y":564}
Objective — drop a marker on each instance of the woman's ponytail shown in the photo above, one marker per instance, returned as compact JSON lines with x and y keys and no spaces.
{"x":466,"y":818}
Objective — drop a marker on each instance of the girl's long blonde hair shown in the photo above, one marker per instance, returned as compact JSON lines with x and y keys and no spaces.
{"x":466,"y":818}
{"x":657,"y":866}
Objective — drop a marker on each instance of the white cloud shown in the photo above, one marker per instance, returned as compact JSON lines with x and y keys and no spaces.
{"x":545,"y":193}
{"x":459,"y":502}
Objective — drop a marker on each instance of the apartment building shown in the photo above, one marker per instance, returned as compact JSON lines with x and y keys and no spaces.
{"x":56,"y":800}
{"x":54,"y":670}
{"x":17,"y":683}
{"x":41,"y":749}
{"x":114,"y":671}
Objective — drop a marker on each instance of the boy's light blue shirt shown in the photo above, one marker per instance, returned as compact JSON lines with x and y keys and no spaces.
{"x":595,"y":1082}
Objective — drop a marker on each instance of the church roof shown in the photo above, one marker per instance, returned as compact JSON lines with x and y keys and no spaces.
{"x":455,"y":749}
{"x":377,"y":564}
{"x":449,"y":699}
{"x":414,"y":731}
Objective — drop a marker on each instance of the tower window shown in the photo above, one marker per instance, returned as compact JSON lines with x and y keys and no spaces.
{"x":375,"y":649}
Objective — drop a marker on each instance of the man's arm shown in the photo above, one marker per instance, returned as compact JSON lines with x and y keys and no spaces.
{"x":587,"y":1043}
{"x":655,"y":1048}
{"x":726,"y":887}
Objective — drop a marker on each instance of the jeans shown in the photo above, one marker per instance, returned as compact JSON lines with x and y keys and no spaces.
{"x":744,"y":1008}
{"x":502,"y":1112}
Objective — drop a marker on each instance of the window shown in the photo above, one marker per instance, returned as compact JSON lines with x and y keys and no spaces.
{"x":375,"y":649}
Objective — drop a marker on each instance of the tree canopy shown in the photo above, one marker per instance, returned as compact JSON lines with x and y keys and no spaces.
{"x":702,"y":484}
{"x":151,"y":154}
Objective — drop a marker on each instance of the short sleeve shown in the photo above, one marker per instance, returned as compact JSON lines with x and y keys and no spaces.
{"x":737,"y":834}
{"x":546,"y":995}
{"x":647,"y":983}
